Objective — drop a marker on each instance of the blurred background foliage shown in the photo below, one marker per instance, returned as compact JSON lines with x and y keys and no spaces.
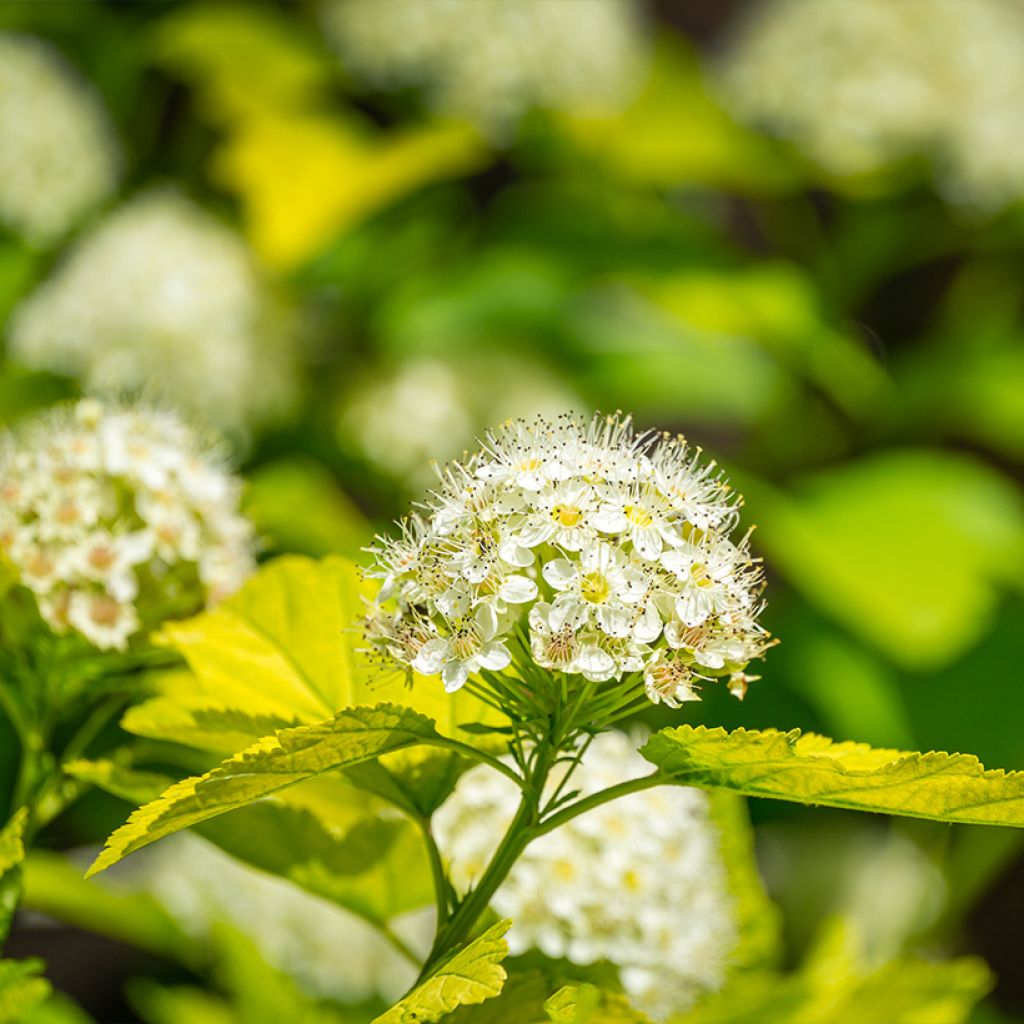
{"x":848,"y":344}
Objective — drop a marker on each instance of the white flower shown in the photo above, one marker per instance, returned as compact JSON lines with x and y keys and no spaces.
{"x":585,"y":547}
{"x":490,"y":62}
{"x":162,"y":295}
{"x":469,"y":647}
{"x":602,"y":589}
{"x":638,"y":881}
{"x":58,"y":156}
{"x":879,"y":82}
{"x":96,"y":546}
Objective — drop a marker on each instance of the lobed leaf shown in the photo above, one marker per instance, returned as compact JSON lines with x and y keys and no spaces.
{"x":472,"y":975}
{"x":272,"y":764}
{"x":812,"y":769}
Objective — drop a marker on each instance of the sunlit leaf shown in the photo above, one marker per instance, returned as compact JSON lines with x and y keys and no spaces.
{"x":242,"y":59}
{"x":304,"y":179}
{"x":272,"y":764}
{"x":674,"y":133}
{"x":907,"y":548}
{"x":585,"y":1004}
{"x":812,"y":769}
{"x":834,"y":986}
{"x":472,"y":975}
{"x":286,"y":650}
{"x":758,"y":922}
{"x":331,"y":841}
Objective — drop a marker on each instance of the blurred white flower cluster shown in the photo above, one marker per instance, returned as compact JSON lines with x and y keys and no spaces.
{"x":492,"y":61}
{"x":115,"y":518}
{"x":58,"y":156}
{"x":638,"y":881}
{"x":586,"y":548}
{"x":860,"y":84}
{"x":162,"y":295}
{"x":431,"y":409}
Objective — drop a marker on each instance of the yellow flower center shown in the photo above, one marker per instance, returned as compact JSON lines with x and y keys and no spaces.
{"x":564,"y":870}
{"x":699,"y":575}
{"x":595,"y":588}
{"x":566,"y":515}
{"x":638,"y":516}
{"x":530,"y":465}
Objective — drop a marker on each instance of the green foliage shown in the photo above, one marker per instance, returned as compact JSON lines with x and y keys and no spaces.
{"x":814,"y":770}
{"x":299,"y":506}
{"x":585,"y":1004}
{"x":272,"y":764}
{"x":12,"y":853}
{"x":55,"y":887}
{"x":471,"y":975}
{"x":21,"y":989}
{"x":907,"y":548}
{"x":834,"y":986}
{"x":285,"y":650}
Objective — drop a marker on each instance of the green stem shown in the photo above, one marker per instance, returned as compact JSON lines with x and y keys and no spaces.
{"x":442,"y":888}
{"x":397,"y":943}
{"x":476,"y":754}
{"x":517,"y":837}
{"x":588,"y":803}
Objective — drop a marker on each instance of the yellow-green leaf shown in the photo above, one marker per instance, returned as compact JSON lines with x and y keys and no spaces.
{"x":812,"y":769}
{"x":270,"y":765}
{"x":473,"y":975}
{"x":286,"y":650}
{"x":303,"y":179}
{"x":908,"y":549}
{"x":12,"y":853}
{"x":586,"y":1004}
{"x":21,"y":988}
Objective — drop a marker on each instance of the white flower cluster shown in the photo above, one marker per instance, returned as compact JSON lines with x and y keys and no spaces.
{"x":490,"y":62}
{"x":58,"y":156}
{"x":591,"y":548}
{"x":638,"y":881}
{"x":115,"y":517}
{"x":161,"y":292}
{"x":431,"y":408}
{"x":860,"y":84}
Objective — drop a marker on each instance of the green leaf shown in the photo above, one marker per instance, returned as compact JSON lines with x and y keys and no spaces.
{"x":332,"y":842}
{"x":12,"y":853}
{"x":472,"y":975}
{"x":119,"y":780}
{"x":21,"y":988}
{"x":298,"y":504}
{"x":586,"y":1004}
{"x":812,"y":769}
{"x":286,"y":650}
{"x":834,"y":986}
{"x":757,"y":918}
{"x":909,"y":549}
{"x":272,"y":764}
